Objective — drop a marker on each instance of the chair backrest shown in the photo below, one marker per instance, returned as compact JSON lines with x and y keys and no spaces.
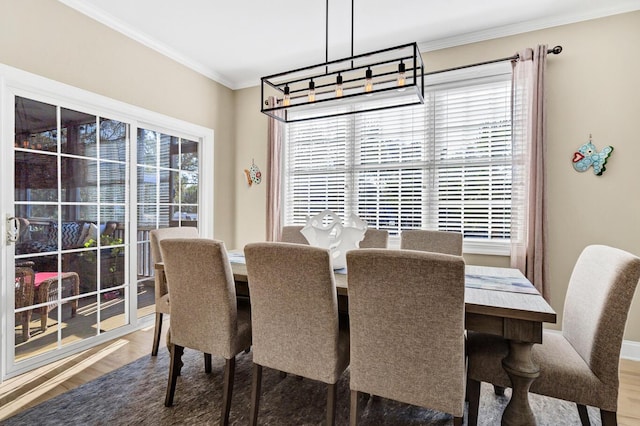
{"x":406,"y":320}
{"x":294,"y":310}
{"x":292,"y":234}
{"x":24,"y":287}
{"x":433,"y":241}
{"x":597,"y":303}
{"x":158,"y":235}
{"x":203,"y":295}
{"x":375,"y":238}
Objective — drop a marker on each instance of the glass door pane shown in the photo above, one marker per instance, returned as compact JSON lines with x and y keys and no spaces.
{"x":168,"y":189}
{"x":70,"y":200}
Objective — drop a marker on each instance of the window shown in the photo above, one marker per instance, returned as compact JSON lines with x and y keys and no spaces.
{"x":443,"y":165}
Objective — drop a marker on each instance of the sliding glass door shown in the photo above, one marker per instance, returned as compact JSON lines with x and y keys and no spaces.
{"x":167,"y":172}
{"x":81,"y":190}
{"x":70,"y":204}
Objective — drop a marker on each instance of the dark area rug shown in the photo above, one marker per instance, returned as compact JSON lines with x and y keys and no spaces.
{"x":134,"y":395}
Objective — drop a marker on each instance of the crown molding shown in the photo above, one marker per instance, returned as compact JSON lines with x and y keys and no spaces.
{"x":115,"y":24}
{"x":525,"y":27}
{"x":91,"y":11}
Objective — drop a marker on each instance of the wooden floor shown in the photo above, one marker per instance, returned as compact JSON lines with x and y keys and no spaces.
{"x":34,"y":387}
{"x":31,"y":388}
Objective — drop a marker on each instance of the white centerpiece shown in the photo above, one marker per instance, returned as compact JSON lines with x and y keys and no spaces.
{"x":326,"y":230}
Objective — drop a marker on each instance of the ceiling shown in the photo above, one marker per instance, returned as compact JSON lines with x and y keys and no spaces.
{"x":235,"y":42}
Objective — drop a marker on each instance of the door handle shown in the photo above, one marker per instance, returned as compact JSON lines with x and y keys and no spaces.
{"x":13,"y":229}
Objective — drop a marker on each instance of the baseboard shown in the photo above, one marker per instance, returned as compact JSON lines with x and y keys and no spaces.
{"x":630,"y":350}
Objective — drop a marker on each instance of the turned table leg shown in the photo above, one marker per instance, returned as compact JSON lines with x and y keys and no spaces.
{"x":522,"y":371}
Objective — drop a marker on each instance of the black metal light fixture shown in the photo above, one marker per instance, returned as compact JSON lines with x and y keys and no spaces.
{"x":382,"y":79}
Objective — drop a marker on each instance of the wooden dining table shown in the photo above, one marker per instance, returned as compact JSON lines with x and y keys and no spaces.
{"x":499,"y":301}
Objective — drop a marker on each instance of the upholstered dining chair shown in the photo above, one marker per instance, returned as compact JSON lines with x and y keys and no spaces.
{"x":387,"y":325}
{"x":295,"y":321}
{"x":204,"y":313}
{"x":161,"y":291}
{"x":434,"y":241}
{"x":581,"y":363}
{"x":292,"y":234}
{"x":375,"y":238}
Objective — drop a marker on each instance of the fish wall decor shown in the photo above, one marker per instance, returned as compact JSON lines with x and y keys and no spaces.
{"x":587,"y":155}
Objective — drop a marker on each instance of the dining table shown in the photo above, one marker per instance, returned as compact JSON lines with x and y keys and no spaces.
{"x":499,"y":301}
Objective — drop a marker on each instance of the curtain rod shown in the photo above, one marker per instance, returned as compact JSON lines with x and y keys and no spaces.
{"x":556,"y":51}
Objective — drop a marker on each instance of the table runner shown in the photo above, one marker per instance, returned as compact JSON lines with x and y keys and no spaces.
{"x":484,"y":282}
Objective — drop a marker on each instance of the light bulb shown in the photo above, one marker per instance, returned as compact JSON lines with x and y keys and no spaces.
{"x":401,"y":74}
{"x":312,"y":91}
{"x":339,"y":91}
{"x":368,"y":82}
{"x":286,"y":101}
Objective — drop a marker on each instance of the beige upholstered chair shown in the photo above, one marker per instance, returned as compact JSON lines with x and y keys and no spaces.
{"x":581,"y":364}
{"x":375,"y":238}
{"x":292,"y":234}
{"x":204,"y":312}
{"x":408,"y":344}
{"x":295,"y":317}
{"x":434,"y":241}
{"x":161,"y":292}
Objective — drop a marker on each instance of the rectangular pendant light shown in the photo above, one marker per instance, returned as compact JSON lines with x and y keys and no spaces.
{"x":382,"y":79}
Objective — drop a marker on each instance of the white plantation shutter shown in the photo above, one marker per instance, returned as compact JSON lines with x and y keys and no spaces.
{"x":472,"y":137}
{"x":443,"y":165}
{"x":316,"y":168}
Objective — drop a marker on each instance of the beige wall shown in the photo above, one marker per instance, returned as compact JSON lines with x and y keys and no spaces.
{"x":47,"y":38}
{"x":251,"y":145}
{"x":592,"y":88}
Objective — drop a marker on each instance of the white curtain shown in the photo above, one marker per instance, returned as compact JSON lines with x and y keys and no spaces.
{"x":528,"y":233}
{"x":274,"y":192}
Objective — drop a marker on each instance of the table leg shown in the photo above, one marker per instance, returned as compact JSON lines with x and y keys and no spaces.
{"x":522,"y":371}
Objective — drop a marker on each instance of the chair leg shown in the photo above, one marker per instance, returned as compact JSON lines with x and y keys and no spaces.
{"x":498,"y":390}
{"x":229,"y":373}
{"x":207,"y":363}
{"x":174,"y":370}
{"x":26,"y":321}
{"x":473,"y":392}
{"x":156,"y":334}
{"x":457,"y":421}
{"x":331,"y":403}
{"x":353,"y":409}
{"x":609,"y":418}
{"x":584,"y":415}
{"x":255,"y":394}
{"x":44,"y":316}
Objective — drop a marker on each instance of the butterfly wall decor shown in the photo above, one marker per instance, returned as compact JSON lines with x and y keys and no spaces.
{"x":587,"y":155}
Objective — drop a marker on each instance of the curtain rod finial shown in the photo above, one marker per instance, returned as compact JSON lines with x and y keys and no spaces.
{"x":556,"y":50}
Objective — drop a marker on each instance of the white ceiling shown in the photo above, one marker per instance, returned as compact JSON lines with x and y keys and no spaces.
{"x":235,"y":42}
